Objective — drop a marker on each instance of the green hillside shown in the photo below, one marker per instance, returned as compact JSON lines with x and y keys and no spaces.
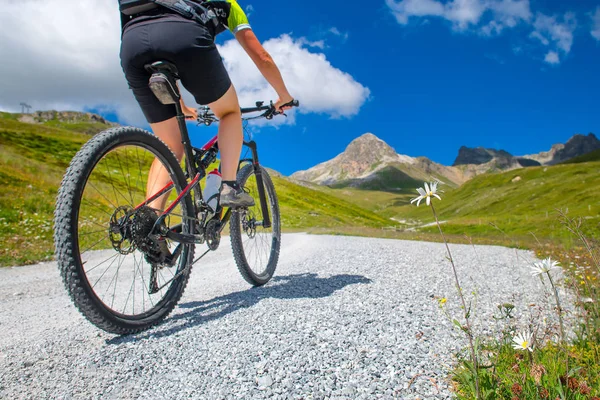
{"x":591,"y":156}
{"x":33,"y":159}
{"x":394,"y":178}
{"x":519,"y":202}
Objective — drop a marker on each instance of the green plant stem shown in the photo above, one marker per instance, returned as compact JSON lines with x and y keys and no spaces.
{"x":558,"y":307}
{"x":575,"y":229}
{"x":462,"y":299}
{"x":562,"y":328}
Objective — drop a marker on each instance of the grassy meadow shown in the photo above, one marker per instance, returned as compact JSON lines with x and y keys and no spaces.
{"x":34,"y":157}
{"x":511,"y":208}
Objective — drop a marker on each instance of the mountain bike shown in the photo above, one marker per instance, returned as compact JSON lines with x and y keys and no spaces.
{"x":102,"y":204}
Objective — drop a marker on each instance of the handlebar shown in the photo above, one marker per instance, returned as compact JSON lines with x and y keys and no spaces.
{"x":206,"y":117}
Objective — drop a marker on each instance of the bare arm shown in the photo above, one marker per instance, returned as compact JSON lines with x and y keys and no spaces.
{"x":265,"y":64}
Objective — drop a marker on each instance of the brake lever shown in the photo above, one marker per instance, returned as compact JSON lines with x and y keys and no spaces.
{"x":271,"y":112}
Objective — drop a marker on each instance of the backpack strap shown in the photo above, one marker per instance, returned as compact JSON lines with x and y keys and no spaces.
{"x":191,"y":9}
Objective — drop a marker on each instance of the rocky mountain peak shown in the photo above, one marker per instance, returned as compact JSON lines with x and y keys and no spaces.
{"x":479,"y":155}
{"x":576,"y":146}
{"x":369,"y":149}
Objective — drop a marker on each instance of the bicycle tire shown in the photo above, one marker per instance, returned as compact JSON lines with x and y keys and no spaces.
{"x":66,"y":227}
{"x":241,"y":252}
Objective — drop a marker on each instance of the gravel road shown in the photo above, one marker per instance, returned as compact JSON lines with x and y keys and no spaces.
{"x":344,"y":317}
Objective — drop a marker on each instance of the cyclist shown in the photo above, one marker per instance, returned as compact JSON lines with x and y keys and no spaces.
{"x":159,"y":33}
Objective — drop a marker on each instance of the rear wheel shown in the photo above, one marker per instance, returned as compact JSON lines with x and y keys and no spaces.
{"x":106,"y":242}
{"x":255,"y":247}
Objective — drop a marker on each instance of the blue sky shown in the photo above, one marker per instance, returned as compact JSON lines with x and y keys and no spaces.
{"x":434,"y":88}
{"x":426,"y":76}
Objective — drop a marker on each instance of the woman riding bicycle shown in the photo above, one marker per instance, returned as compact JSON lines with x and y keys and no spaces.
{"x":152,"y":33}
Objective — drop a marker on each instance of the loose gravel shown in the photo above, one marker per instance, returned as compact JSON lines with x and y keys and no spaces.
{"x":344,"y":318}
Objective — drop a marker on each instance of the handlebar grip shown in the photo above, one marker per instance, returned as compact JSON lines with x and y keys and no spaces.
{"x":293,"y":103}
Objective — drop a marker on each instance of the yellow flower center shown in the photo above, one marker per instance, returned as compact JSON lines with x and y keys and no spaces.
{"x":525,"y":344}
{"x":429,"y":194}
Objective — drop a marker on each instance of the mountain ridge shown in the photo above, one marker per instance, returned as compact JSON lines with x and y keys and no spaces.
{"x":369,"y":161}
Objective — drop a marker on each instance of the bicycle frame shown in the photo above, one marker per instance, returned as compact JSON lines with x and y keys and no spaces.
{"x":197,"y":161}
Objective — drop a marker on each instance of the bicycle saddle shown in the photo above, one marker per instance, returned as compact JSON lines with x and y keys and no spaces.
{"x":163,"y":81}
{"x":164,"y":67}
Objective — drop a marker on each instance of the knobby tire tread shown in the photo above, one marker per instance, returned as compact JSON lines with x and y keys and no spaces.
{"x":237,"y":233}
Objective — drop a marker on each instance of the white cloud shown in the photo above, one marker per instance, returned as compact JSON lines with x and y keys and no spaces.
{"x":405,"y":9}
{"x":552,"y":58}
{"x":320,"y":87}
{"x":596,"y":24}
{"x":492,"y":17}
{"x":53,"y":57}
{"x":320,"y":44}
{"x":551,"y":31}
{"x":465,"y":13}
{"x":64,"y":54}
{"x":336,"y":32}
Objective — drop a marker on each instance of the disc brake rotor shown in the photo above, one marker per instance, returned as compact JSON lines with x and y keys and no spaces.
{"x":212,"y":234}
{"x":119,"y":231}
{"x":249,"y":224}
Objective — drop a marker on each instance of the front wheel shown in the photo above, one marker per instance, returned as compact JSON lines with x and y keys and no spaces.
{"x":256,"y":247}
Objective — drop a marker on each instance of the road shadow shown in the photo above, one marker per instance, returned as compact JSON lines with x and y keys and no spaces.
{"x":298,"y":286}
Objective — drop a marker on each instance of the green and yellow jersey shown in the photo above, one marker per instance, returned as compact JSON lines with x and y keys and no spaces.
{"x":230,"y":14}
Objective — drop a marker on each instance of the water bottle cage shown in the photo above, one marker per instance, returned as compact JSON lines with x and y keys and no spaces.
{"x":208,"y":158}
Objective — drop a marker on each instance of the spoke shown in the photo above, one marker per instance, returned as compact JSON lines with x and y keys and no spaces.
{"x":101,"y":194}
{"x":140,"y":179}
{"x":91,"y":233}
{"x":105,"y":271}
{"x":133,"y":299}
{"x":115,"y":190}
{"x":115,"y":289}
{"x":114,"y":278}
{"x":96,"y":207}
{"x":126,"y":177}
{"x":143,"y":289}
{"x":129,"y":294}
{"x":95,"y":223}
{"x":92,"y":246}
{"x":90,"y":270}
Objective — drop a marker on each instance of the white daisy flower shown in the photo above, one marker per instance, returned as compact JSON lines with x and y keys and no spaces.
{"x":427,"y":192}
{"x":544,"y":266}
{"x":523,"y":341}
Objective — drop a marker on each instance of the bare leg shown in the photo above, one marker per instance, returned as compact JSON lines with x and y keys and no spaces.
{"x":158,"y":177}
{"x":227,"y":109}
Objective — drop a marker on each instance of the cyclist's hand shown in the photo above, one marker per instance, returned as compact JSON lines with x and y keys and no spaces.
{"x":191,"y":114}
{"x":283,"y":100}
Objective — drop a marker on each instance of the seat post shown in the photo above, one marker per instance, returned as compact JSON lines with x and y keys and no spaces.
{"x":163,"y":83}
{"x":185,"y":140}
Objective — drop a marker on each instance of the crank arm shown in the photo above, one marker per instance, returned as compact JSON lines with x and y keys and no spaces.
{"x":185,"y":238}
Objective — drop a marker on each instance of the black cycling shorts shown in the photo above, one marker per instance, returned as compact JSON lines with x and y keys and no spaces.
{"x":187,"y":44}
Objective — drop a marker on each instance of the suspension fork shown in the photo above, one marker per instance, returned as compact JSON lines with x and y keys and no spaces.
{"x":260,"y":183}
